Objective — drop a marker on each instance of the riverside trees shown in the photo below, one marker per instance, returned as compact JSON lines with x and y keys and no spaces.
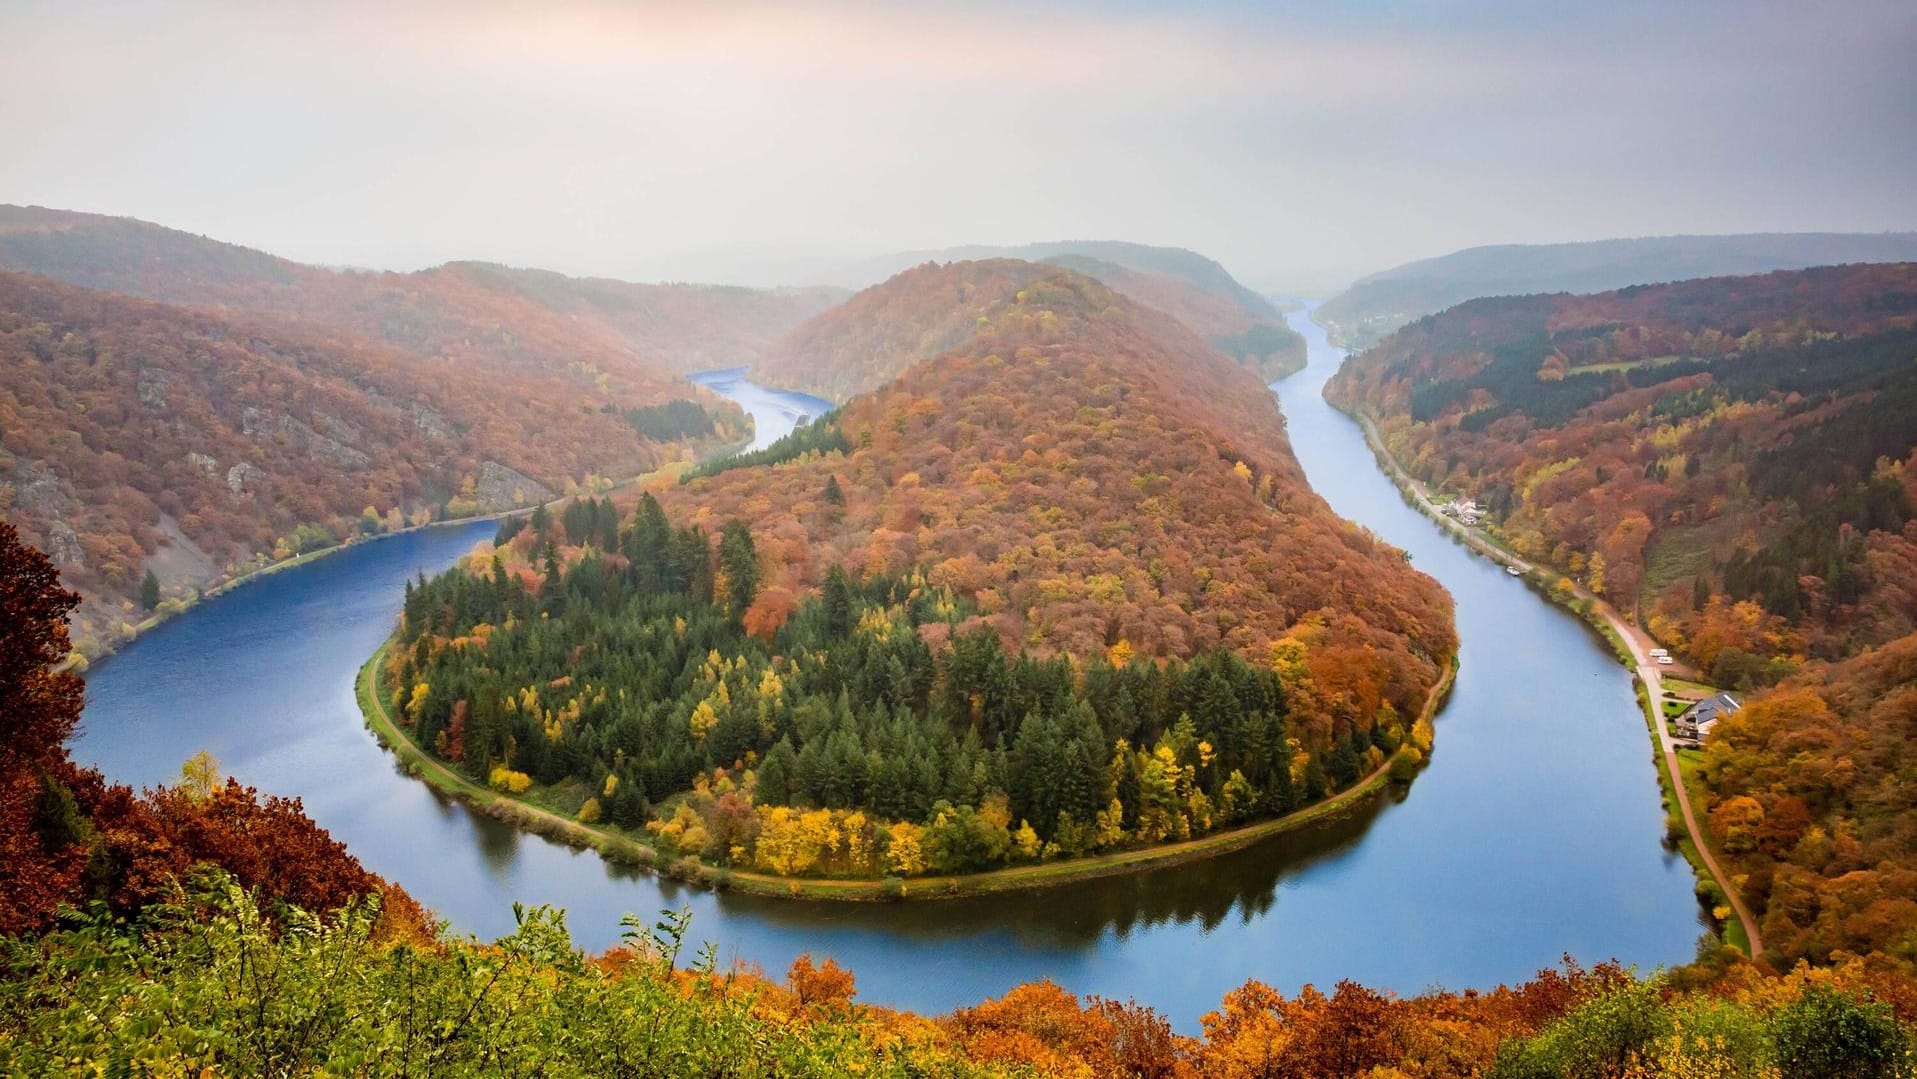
{"x":879,"y":729}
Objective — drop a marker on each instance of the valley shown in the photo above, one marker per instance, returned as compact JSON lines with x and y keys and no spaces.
{"x":1400,"y":895}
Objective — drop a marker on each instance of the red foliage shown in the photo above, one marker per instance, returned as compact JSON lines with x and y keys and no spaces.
{"x":66,"y":835}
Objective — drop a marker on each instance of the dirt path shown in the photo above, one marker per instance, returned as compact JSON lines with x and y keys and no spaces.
{"x":1648,"y":672}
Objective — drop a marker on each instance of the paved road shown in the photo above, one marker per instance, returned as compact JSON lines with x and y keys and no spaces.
{"x":1649,"y":673}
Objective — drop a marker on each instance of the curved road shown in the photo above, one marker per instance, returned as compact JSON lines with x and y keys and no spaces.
{"x":1648,"y":673}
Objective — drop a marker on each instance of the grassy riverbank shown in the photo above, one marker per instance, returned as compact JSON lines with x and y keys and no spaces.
{"x":1687,"y":836}
{"x":628,"y":847}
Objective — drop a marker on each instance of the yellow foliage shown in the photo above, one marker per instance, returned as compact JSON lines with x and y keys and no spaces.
{"x":702,"y":720}
{"x":502,"y":778}
{"x":1026,"y":840}
{"x":589,"y":813}
{"x":904,"y":853}
{"x":418,"y":701}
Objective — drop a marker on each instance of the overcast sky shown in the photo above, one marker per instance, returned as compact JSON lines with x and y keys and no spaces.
{"x":1298,"y":144}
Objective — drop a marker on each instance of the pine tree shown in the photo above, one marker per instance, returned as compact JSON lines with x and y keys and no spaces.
{"x":149,"y":591}
{"x":776,"y":774}
{"x":739,"y":562}
{"x":838,"y":604}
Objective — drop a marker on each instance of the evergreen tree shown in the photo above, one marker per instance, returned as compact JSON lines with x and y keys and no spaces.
{"x":837,"y":601}
{"x":149,"y":591}
{"x":739,"y":562}
{"x":776,"y":774}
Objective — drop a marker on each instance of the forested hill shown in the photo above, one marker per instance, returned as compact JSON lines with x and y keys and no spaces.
{"x":1734,"y":460}
{"x":1363,"y":314}
{"x":632,"y":338}
{"x":1084,"y":468}
{"x":872,"y":338}
{"x":137,"y":437}
{"x":1184,"y":284}
{"x":1061,"y":588}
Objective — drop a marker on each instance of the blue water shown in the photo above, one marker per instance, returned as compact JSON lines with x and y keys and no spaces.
{"x":1534,"y":832}
{"x":774,"y":412}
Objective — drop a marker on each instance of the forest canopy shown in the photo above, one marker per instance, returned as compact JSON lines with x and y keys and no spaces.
{"x":1058,"y":589}
{"x":839,"y":742}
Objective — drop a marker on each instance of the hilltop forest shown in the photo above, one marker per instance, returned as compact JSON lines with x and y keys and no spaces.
{"x":1733,"y":461}
{"x":944,"y":627}
{"x":926,"y":309}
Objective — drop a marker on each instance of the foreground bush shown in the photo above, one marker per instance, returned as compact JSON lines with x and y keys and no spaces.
{"x":210,"y":982}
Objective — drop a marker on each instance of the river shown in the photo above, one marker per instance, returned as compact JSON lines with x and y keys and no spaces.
{"x":1533,"y":833}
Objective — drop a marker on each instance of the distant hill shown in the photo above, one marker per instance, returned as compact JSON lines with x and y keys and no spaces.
{"x":633,"y":338}
{"x":1184,"y":284}
{"x":258,"y":406}
{"x":1376,"y":305}
{"x":684,"y":327}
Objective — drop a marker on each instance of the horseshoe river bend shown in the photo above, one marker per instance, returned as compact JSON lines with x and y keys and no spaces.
{"x":1534,"y":833}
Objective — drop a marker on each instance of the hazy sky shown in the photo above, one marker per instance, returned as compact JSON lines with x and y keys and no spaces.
{"x":1298,"y":144}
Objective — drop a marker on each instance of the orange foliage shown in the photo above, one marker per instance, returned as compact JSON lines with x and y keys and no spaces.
{"x":1068,"y":459}
{"x":824,"y":985}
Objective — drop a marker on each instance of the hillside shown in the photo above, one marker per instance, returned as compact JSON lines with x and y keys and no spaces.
{"x":1184,"y":284}
{"x":1053,"y":402}
{"x":1062,"y":589}
{"x":685,"y":328}
{"x":139,"y":437}
{"x":872,"y":338}
{"x":1370,"y":309}
{"x":630,"y":338}
{"x":1733,"y":460}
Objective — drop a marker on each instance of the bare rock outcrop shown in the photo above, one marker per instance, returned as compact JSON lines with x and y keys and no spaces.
{"x":153,"y":387}
{"x":238,"y":476}
{"x":259,"y":423}
{"x":501,"y":488}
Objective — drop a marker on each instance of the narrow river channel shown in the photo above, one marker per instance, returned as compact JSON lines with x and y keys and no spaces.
{"x":1534,"y":832}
